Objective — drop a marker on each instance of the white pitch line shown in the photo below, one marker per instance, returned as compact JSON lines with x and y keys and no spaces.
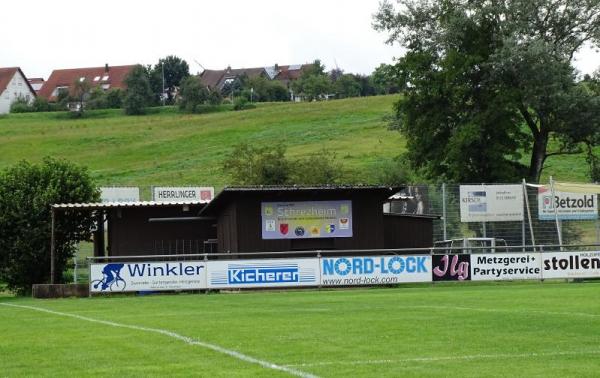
{"x":499,"y":310}
{"x":448,"y":358}
{"x":185,"y":339}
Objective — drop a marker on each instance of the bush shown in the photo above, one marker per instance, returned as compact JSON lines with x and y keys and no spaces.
{"x":114,"y":98}
{"x":40,"y":104}
{"x":251,"y":165}
{"x":26,"y":193}
{"x":241,"y":103}
{"x":20,"y":105}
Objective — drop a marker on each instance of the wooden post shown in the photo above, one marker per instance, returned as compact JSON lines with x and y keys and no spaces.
{"x":52,"y":246}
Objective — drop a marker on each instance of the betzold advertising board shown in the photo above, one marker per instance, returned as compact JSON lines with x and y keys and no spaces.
{"x":374,"y":270}
{"x":308,"y":219}
{"x":571,"y":264}
{"x":120,"y":194}
{"x":182,"y":193}
{"x":506,"y":266}
{"x":147,"y":276}
{"x":263,"y":273}
{"x":568,"y":205}
{"x":451,"y":267}
{"x":491,"y":203}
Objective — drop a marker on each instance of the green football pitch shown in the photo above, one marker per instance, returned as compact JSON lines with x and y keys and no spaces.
{"x":509,"y":329}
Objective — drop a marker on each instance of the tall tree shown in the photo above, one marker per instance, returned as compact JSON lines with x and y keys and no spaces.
{"x":26,"y":193}
{"x":174,"y":70}
{"x":138,"y":94}
{"x":487,"y":81}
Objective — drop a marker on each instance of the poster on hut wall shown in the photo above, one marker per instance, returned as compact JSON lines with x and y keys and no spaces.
{"x":306,"y":219}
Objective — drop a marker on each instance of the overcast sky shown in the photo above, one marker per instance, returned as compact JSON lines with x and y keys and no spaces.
{"x":43,"y":35}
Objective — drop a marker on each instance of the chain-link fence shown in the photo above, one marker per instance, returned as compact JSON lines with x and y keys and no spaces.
{"x":537,"y":222}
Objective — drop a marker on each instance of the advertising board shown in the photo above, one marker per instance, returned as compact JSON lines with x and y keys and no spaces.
{"x":182,"y":193}
{"x":506,"y":266}
{"x":455,"y":267}
{"x":263,"y":273}
{"x":568,"y":205}
{"x":491,"y":203}
{"x":306,"y":219}
{"x":374,"y":270}
{"x":147,"y":276}
{"x":120,"y":194}
{"x":571,"y":264}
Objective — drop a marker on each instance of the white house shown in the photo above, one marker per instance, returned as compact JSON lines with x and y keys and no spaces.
{"x":13,"y":84}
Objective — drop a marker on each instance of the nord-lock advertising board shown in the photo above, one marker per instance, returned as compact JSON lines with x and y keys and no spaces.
{"x":263,"y":273}
{"x":491,"y":203}
{"x":568,"y":205}
{"x":147,"y":276}
{"x":506,"y":266}
{"x":306,"y":219}
{"x":571,"y":264}
{"x":374,"y":270}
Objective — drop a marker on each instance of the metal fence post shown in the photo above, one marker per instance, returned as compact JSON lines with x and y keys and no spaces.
{"x":444,"y":210}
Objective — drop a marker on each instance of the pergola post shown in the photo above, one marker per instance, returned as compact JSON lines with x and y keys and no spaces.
{"x":52,"y":246}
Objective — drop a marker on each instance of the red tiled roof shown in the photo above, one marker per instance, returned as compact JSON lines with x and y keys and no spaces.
{"x":66,"y":78}
{"x":6,"y":74}
{"x":211,"y":78}
{"x":215,"y":78}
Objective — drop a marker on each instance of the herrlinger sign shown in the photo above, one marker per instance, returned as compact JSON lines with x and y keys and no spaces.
{"x":308,"y":219}
{"x":147,"y":276}
{"x":567,"y":205}
{"x":182,"y":193}
{"x":491,"y":203}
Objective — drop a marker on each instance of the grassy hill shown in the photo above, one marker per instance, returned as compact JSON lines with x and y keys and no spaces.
{"x":169,"y":148}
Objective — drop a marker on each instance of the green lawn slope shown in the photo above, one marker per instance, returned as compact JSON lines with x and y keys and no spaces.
{"x":170,"y":148}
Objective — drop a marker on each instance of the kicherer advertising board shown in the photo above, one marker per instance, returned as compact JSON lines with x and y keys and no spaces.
{"x":147,"y":276}
{"x":374,"y":270}
{"x":491,"y":203}
{"x":571,"y":264}
{"x":506,"y":266}
{"x":306,"y":219}
{"x":263,"y":273}
{"x":568,"y":205}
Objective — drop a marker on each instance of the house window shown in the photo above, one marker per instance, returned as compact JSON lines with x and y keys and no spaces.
{"x":6,"y":95}
{"x":19,"y":83}
{"x":105,"y":77}
{"x":81,"y":79}
{"x":57,"y":90}
{"x":27,"y":98}
{"x":97,"y":78}
{"x":105,"y":86}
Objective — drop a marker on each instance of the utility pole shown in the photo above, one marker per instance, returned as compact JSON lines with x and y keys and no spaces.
{"x":162,"y":67}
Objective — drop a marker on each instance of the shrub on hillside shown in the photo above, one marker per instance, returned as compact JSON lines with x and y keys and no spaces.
{"x":20,"y":105}
{"x":241,"y":103}
{"x":252,"y":165}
